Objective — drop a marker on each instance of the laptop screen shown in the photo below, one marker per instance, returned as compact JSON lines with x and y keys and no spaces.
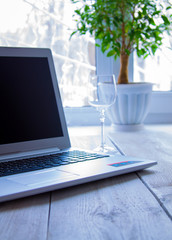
{"x":27,"y":99}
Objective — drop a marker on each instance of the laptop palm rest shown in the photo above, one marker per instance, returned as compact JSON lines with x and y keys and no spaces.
{"x":42,"y":178}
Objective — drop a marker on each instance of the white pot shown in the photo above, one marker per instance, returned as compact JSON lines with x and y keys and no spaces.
{"x":132,"y":105}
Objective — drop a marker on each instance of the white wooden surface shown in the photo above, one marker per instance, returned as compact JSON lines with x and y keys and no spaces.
{"x":153,"y":142}
{"x":132,"y":206}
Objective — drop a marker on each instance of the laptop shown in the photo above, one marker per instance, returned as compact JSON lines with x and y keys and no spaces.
{"x":35,"y":151}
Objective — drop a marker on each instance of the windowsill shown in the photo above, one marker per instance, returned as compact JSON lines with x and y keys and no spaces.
{"x":88,"y":116}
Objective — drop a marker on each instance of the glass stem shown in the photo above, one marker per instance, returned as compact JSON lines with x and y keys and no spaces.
{"x":102,"y":120}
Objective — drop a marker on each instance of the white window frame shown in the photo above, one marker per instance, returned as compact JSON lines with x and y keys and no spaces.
{"x":160,"y":109}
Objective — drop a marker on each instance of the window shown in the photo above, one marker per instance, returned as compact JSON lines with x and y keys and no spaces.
{"x":47,"y":23}
{"x":156,"y":69}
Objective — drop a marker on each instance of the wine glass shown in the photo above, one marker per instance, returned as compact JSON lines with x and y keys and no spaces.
{"x":102,"y":94}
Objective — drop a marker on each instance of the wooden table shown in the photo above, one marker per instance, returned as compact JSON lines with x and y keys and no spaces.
{"x":131,"y":206}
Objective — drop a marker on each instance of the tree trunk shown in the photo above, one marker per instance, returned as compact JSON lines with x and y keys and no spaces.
{"x":123,"y":75}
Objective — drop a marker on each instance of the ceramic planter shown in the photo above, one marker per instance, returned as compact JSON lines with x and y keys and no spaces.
{"x":131,"y":106}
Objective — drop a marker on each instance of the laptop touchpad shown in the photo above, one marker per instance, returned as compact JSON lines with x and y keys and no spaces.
{"x":42,"y":178}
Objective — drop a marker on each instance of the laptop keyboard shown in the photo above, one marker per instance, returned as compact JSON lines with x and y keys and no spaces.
{"x":48,"y":161}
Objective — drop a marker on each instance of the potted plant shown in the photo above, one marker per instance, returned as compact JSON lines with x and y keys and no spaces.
{"x":120,"y":27}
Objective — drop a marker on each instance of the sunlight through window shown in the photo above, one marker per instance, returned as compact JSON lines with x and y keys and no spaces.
{"x":49,"y":24}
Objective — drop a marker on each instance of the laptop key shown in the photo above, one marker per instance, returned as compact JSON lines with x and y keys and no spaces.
{"x":48,"y":161}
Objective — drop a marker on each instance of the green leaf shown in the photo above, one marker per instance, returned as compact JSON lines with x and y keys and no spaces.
{"x":86,"y":8}
{"x":116,"y":56}
{"x":145,"y":56}
{"x":151,"y":21}
{"x":156,"y":13}
{"x":154,"y":48}
{"x":168,"y":8}
{"x":77,"y":11}
{"x":97,"y":45}
{"x":72,"y":34}
{"x":165,"y":19}
{"x":110,"y":53}
{"x":127,"y":52}
{"x":141,"y":52}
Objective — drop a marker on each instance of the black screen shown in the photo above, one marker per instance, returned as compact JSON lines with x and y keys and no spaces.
{"x":28,"y":109}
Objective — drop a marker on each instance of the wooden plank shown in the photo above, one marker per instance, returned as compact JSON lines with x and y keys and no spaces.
{"x":153,"y":142}
{"x":25,"y":218}
{"x":116,"y":208}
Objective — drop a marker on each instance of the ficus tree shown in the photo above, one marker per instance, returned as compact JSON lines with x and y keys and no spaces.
{"x":122,"y":26}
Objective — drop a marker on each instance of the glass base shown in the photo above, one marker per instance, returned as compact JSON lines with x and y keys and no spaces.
{"x":106,"y":149}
